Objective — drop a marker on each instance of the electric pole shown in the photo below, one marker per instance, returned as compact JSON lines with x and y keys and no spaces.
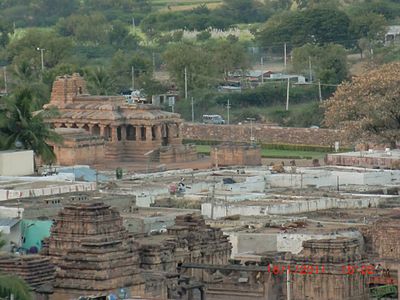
{"x":319,"y":91}
{"x":251,"y":130}
{"x":186,"y":86}
{"x":5,"y":79}
{"x":228,"y":106}
{"x":287,"y":94}
{"x":284,"y":55}
{"x":192,"y":111}
{"x":133,"y":78}
{"x":154,"y":62}
{"x":41,"y":56}
{"x":309,"y":68}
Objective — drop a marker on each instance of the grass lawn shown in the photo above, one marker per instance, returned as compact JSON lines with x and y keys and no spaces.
{"x":274,"y":153}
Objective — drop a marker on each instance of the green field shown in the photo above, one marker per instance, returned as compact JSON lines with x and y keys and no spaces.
{"x":275,"y":153}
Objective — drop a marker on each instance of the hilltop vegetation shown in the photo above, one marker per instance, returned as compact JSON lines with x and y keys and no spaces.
{"x":105,"y":40}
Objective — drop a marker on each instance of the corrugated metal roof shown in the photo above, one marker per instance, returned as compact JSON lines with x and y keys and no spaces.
{"x":8,"y":222}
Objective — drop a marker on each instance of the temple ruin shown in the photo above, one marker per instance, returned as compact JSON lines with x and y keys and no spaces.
{"x":93,"y":252}
{"x":95,"y":255}
{"x":131,"y":132}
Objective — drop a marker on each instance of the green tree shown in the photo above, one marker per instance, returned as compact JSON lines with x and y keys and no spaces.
{"x":5,"y":30}
{"x":307,"y":4}
{"x":13,"y":285}
{"x":317,"y":26}
{"x":229,"y":56}
{"x":244,"y":11}
{"x":203,"y":36}
{"x":99,"y":81}
{"x":24,"y":73}
{"x":25,"y":49}
{"x":20,"y":127}
{"x":121,"y":70}
{"x":369,"y":25}
{"x":367,"y":109}
{"x":329,"y":62}
{"x":93,"y":28}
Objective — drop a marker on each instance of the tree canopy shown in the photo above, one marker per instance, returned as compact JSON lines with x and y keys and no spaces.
{"x":368,"y":108}
{"x":318,"y":26}
{"x":329,"y":62}
{"x":20,"y":128}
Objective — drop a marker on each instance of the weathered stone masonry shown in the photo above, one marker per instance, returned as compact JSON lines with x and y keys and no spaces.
{"x":262,"y":133}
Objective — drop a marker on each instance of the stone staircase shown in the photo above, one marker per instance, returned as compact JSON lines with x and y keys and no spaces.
{"x":114,"y":152}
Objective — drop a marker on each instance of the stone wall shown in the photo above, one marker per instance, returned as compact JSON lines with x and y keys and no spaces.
{"x":235,"y":155}
{"x":178,"y":153}
{"x":382,"y":239}
{"x":364,"y":159}
{"x":76,"y":145}
{"x":261,"y":133}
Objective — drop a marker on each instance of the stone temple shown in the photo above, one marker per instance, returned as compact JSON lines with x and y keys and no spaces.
{"x":112,"y":129}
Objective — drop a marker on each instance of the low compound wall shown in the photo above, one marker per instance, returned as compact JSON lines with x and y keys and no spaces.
{"x":262,"y":133}
{"x":222,"y":210}
{"x":48,"y":191}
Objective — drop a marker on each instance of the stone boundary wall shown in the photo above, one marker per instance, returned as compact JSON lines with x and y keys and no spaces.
{"x":262,"y":133}
{"x":54,"y":190}
{"x":367,"y":160}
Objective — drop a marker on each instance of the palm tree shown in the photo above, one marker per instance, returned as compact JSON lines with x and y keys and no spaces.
{"x":13,"y":285}
{"x":21,"y":128}
{"x":99,"y":81}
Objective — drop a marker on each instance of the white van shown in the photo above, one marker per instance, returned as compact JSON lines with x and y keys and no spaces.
{"x":213,"y":119}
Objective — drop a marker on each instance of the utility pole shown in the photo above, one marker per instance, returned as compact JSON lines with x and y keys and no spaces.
{"x":192,"y":111}
{"x":319,"y":91}
{"x":251,"y":130}
{"x":186,"y":87}
{"x":287,"y":94}
{"x":228,"y":107}
{"x":41,"y":56}
{"x":262,"y":61}
{"x":154,"y":62}
{"x":284,"y":55}
{"x":133,"y":23}
{"x":133,"y":78}
{"x":309,"y":68}
{"x":5,"y":79}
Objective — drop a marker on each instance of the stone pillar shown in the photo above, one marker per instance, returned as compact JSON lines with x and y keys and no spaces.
{"x":102,"y":131}
{"x":139,"y":133}
{"x":114,"y":134}
{"x":171,"y":131}
{"x":158,"y":132}
{"x":177,"y":133}
{"x":123,"y":133}
{"x":149,"y":135}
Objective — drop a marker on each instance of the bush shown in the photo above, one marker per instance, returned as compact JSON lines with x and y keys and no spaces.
{"x":203,"y":36}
